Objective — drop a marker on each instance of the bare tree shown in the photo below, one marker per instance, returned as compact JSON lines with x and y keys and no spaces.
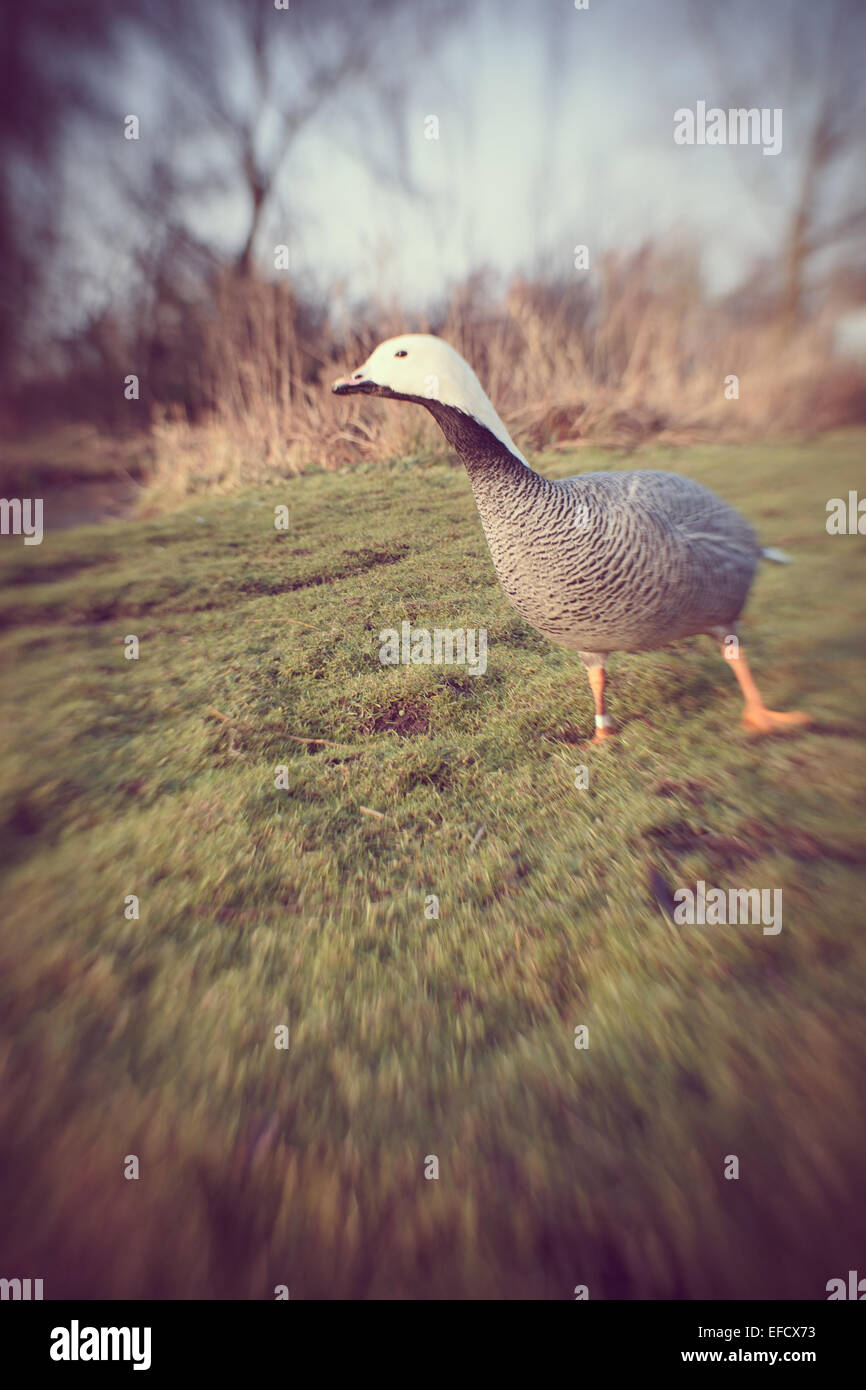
{"x":43,"y":81}
{"x":257,"y":77}
{"x":240,"y":82}
{"x":809,"y":63}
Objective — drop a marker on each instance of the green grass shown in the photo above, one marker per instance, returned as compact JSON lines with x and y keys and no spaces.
{"x":413,"y":1036}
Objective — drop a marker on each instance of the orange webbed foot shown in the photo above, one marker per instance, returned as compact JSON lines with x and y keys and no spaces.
{"x":759,"y":720}
{"x":602,"y":736}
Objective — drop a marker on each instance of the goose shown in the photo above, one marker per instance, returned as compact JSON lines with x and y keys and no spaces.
{"x":600,"y":562}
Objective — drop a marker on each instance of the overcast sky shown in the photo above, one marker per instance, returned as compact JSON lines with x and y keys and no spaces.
{"x":555,"y":128}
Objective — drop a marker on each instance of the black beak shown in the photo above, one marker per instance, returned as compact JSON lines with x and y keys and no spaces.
{"x":359,"y":385}
{"x":352,"y":385}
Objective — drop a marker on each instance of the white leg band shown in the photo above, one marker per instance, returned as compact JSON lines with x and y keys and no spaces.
{"x":603,"y":721}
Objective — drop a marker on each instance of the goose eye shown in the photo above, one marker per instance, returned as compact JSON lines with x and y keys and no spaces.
{"x":402,"y":353}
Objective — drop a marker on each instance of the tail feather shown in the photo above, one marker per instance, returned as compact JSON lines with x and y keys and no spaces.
{"x":776,"y":557}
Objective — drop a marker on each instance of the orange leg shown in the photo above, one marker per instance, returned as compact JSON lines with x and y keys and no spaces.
{"x":602,"y":721}
{"x":756,"y":715}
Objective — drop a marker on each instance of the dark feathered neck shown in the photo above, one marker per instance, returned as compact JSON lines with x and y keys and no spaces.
{"x":502,"y":483}
{"x":478,"y":447}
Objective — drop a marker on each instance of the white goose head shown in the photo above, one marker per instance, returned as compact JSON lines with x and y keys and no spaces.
{"x":420,"y":367}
